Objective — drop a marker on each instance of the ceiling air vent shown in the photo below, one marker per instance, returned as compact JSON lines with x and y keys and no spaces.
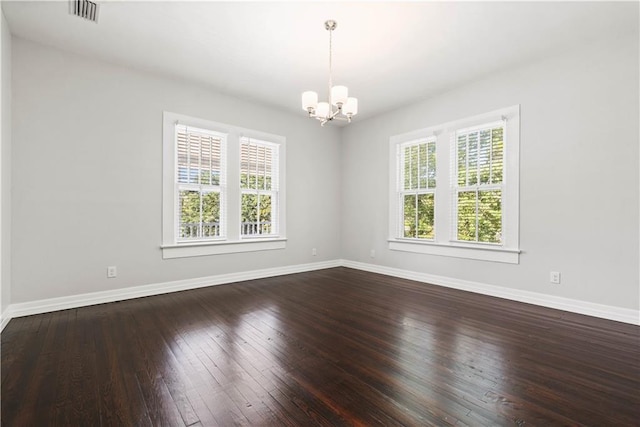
{"x":84,"y":9}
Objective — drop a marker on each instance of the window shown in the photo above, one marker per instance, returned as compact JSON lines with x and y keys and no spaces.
{"x":198,"y":181}
{"x":478,"y":187}
{"x":417,"y":194}
{"x":259,"y":186}
{"x":473,"y":211}
{"x":223,"y":188}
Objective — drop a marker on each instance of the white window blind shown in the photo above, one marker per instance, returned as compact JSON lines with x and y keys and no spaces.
{"x":259,"y":162}
{"x":478,"y":187}
{"x":200,"y":174}
{"x":417,"y":166}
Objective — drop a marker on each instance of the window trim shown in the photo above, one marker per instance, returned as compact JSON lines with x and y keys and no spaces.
{"x":445,"y":243}
{"x":232,"y":242}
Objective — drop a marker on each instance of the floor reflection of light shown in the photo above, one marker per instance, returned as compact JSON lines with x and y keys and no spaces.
{"x":261,"y":328}
{"x":417,"y":341}
{"x":477,"y":356}
{"x":442,"y":361}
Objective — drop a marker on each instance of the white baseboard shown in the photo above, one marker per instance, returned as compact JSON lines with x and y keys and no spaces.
{"x":5,"y":317}
{"x":560,"y":303}
{"x":74,"y":301}
{"x":575,"y":306}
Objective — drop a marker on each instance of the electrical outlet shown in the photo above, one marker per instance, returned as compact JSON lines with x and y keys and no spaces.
{"x":112,"y":272}
{"x":314,"y":252}
{"x":372,"y":253}
{"x":554,"y":277}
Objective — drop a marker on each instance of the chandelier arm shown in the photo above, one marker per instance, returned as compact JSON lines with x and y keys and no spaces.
{"x":334,"y":114}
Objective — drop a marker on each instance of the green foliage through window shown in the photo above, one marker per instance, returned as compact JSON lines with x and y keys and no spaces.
{"x":419,"y":216}
{"x":199,"y":214}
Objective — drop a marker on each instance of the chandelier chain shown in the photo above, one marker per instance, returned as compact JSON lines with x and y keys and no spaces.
{"x":330,"y":65}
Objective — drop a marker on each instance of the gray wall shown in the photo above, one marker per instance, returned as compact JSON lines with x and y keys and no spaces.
{"x":5,"y":167}
{"x":578,"y":175}
{"x":87,"y":176}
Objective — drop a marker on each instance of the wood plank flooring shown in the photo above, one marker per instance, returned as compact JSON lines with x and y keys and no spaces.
{"x":332,"y":347}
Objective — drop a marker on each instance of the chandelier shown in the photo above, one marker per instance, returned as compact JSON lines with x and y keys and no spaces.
{"x":340,"y":105}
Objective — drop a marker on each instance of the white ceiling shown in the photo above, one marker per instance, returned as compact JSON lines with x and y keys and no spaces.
{"x":387,"y":53}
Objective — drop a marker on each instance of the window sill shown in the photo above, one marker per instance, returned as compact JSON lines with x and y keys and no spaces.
{"x":193,"y":249}
{"x":484,"y":253}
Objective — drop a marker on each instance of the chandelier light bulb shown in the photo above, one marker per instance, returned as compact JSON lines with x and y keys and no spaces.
{"x":309,"y":100}
{"x":339,"y":95}
{"x":351,"y":107}
{"x":323,"y":109}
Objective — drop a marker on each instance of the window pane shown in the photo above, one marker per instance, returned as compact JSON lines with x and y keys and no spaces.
{"x":497,"y":153}
{"x":205,"y":158}
{"x":182,"y":157}
{"x":467,"y":215}
{"x":425,"y":216}
{"x":261,"y":182}
{"x":215,"y":177}
{"x":264,"y":227}
{"x":247,"y":153}
{"x":268,"y":167}
{"x":211,"y":214}
{"x":249,"y":214}
{"x":422,"y":166}
{"x":256,"y":166}
{"x":432,"y":164}
{"x":414,"y":167}
{"x":189,"y":214}
{"x":462,"y":160}
{"x":472,"y":154}
{"x":194,"y":158}
{"x":407,"y":168}
{"x":256,"y":215}
{"x":484,"y":156}
{"x":410,"y":216}
{"x":198,"y":156}
{"x":490,"y":216}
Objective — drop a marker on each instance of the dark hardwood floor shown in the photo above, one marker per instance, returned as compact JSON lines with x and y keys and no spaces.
{"x":331,"y":347}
